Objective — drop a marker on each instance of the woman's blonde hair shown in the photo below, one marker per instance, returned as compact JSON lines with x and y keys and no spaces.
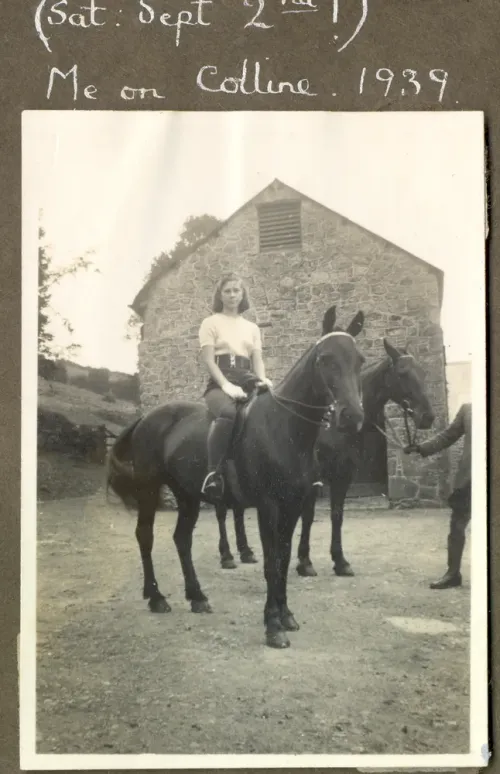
{"x":217,"y":305}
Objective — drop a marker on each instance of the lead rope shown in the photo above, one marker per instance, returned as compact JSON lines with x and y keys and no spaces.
{"x":395,"y":436}
{"x":411,"y":441}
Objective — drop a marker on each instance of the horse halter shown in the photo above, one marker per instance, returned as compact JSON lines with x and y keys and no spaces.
{"x":407,"y":412}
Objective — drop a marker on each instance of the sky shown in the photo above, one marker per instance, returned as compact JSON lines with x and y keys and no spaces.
{"x":120,"y":185}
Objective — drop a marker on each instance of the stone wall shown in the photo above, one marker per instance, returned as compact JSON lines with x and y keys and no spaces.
{"x":290,"y":290}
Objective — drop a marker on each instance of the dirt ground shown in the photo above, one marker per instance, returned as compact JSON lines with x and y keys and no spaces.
{"x":114,"y":678}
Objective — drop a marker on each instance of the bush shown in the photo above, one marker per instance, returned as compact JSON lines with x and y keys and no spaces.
{"x":128,"y":389}
{"x":46,"y":367}
{"x":60,"y":374}
{"x":52,"y":370}
{"x":98,"y":380}
{"x":80,"y":381}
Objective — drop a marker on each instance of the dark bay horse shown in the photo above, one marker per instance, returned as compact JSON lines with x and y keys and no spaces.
{"x":271,"y":469}
{"x":398,"y":378}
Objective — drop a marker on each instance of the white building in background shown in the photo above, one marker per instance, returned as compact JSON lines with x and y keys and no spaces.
{"x":459,"y":384}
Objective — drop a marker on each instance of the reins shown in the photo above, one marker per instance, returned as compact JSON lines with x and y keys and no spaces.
{"x":323,"y":422}
{"x":395,"y":436}
{"x":328,"y":410}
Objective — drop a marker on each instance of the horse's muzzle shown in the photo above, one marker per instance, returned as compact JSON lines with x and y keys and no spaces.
{"x":350,"y":419}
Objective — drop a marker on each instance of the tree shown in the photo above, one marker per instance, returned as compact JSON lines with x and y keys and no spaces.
{"x":47,"y":278}
{"x":134,"y":325}
{"x":45,"y":337}
{"x":195,"y":229}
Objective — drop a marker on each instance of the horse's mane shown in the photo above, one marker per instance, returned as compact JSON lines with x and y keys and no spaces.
{"x":298,"y":363}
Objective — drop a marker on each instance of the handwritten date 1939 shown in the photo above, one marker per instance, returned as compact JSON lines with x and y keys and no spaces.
{"x":404,"y":83}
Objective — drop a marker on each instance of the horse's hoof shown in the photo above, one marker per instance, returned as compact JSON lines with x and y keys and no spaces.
{"x":228,"y":564}
{"x":159,"y":605}
{"x":277,"y":639}
{"x":344,"y":570}
{"x":289,"y":623}
{"x":248,"y":558}
{"x":200,"y":606}
{"x":306,"y":570}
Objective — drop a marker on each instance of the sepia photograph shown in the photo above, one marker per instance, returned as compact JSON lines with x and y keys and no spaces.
{"x":254,"y":446}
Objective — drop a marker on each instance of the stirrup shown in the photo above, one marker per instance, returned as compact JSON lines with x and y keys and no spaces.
{"x":213,"y":484}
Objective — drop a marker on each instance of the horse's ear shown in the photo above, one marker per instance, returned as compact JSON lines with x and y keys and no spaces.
{"x":329,"y":320}
{"x":356,"y":324}
{"x":393,"y":353}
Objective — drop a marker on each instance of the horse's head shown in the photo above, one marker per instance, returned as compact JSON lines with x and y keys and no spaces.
{"x":405,"y":386}
{"x":338,"y":370}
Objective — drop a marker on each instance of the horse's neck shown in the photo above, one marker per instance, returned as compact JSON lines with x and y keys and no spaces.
{"x":373,"y":385}
{"x":304,"y":418}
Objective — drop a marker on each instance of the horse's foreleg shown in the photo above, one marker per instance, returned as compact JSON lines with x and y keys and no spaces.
{"x":276,"y":636}
{"x":286,"y":526}
{"x":144,"y":533}
{"x":305,"y":567}
{"x":338,"y":493}
{"x":247,"y":556}
{"x":183,"y":537}
{"x":226,"y":557}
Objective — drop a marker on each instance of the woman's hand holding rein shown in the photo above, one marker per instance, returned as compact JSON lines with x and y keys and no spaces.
{"x":234,"y":391}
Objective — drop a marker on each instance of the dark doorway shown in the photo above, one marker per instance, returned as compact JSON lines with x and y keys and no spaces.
{"x":371,"y":477}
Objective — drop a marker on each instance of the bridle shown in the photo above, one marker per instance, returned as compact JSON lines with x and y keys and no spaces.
{"x":407,"y":412}
{"x":395,"y":435}
{"x":328,"y":410}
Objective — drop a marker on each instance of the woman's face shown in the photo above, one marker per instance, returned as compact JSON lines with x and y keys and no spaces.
{"x":232,"y":295}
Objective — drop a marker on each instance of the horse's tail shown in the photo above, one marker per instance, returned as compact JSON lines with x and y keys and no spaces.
{"x":121,"y":477}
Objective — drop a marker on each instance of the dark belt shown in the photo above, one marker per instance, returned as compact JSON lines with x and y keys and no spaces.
{"x":233,"y":361}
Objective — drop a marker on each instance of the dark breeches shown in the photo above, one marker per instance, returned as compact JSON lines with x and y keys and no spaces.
{"x":460,"y":503}
{"x":458,"y":522}
{"x":219,"y":404}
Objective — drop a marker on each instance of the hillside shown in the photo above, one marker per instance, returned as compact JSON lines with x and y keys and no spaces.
{"x":82,"y":406}
{"x":68,"y":474}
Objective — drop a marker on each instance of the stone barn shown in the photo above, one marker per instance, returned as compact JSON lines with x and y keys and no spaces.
{"x":299,"y":257}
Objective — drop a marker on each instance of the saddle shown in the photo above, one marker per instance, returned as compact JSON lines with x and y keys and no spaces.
{"x":233,"y":492}
{"x":253,"y":390}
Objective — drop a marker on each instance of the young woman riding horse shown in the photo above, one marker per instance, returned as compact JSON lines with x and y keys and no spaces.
{"x":232,"y":352}
{"x":273,"y":460}
{"x":396,"y":377}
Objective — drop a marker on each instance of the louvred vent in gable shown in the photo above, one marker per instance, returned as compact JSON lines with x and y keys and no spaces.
{"x":279,"y":225}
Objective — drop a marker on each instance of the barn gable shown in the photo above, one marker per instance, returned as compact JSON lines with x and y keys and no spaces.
{"x":275,"y":194}
{"x":299,"y":257}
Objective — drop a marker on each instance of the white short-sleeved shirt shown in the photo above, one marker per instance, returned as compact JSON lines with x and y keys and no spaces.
{"x":230,"y":335}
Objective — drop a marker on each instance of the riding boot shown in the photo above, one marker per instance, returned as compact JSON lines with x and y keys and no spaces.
{"x":452,"y":577}
{"x":219,"y":437}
